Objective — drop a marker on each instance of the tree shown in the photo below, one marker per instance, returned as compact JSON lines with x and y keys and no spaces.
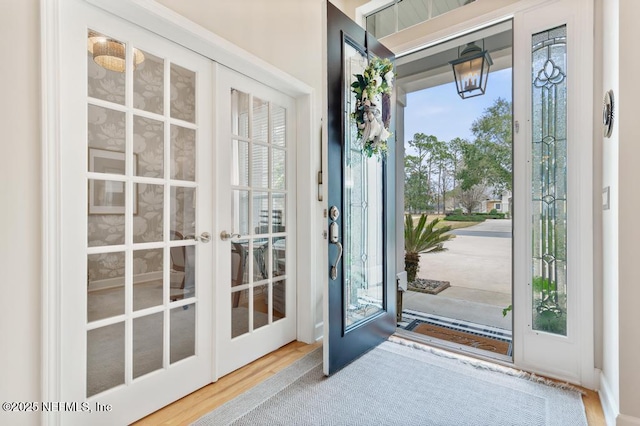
{"x":487,"y":161}
{"x":442,"y":163}
{"x":416,"y":197}
{"x":470,"y":199}
{"x":422,"y":238}
{"x":418,"y":170}
{"x":456,"y":147}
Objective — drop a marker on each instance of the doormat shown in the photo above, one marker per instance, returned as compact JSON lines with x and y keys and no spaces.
{"x":474,"y":340}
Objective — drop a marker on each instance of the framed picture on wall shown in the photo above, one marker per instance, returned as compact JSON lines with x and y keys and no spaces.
{"x":108,"y":196}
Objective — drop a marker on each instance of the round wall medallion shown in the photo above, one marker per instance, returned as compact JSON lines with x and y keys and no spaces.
{"x":607,"y":114}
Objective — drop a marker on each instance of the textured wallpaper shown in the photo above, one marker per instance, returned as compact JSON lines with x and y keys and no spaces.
{"x":106,"y":131}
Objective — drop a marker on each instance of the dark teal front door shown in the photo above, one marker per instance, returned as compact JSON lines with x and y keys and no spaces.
{"x":361,"y":202}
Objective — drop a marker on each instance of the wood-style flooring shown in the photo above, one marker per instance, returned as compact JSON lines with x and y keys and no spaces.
{"x":202,"y":401}
{"x":195,"y":405}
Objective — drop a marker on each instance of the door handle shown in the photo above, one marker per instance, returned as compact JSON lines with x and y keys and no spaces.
{"x":334,"y":238}
{"x":225,"y":236}
{"x":205,"y":237}
{"x":334,"y":268}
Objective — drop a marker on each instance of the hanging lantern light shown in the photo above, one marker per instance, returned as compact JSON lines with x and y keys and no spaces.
{"x":471,"y":71}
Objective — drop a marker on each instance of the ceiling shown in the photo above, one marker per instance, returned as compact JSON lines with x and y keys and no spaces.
{"x":430,"y":67}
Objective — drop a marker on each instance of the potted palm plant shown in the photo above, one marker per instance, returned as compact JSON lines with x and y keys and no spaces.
{"x":422,"y":238}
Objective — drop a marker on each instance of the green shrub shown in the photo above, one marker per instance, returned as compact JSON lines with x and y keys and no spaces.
{"x":495,"y":216}
{"x":491,"y":215}
{"x":550,"y":322}
{"x":465,"y":218}
{"x":543,"y":284}
{"x":550,"y":309}
{"x":493,"y":211}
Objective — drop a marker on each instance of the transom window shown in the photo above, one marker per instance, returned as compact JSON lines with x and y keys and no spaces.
{"x":400,"y":14}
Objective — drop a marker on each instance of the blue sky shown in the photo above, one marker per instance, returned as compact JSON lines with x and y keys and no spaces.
{"x":441,"y":112}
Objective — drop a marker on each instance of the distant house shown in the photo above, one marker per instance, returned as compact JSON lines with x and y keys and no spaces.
{"x":500,"y":204}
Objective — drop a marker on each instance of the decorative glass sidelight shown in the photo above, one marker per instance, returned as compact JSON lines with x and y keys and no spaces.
{"x":363,"y":211}
{"x":549,"y":180}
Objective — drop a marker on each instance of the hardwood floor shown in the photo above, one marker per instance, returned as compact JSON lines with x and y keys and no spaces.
{"x":202,"y":401}
{"x":197,"y":404}
{"x":595,"y":415}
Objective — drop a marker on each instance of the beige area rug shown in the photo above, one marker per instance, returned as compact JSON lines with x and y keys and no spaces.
{"x":395,"y":384}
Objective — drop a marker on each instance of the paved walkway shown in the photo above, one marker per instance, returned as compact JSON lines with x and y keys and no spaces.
{"x":477,"y":263}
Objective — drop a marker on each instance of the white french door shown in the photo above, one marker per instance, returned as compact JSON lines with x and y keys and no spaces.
{"x":255,"y":289}
{"x":137,"y":204}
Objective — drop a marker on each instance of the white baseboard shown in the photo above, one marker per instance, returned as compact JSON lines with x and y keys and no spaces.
{"x":119,"y":282}
{"x":624,"y":420}
{"x":608,"y":401}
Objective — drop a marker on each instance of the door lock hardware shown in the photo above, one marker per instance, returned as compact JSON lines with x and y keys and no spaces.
{"x":334,"y":213}
{"x":334,"y":238}
{"x":334,"y":233}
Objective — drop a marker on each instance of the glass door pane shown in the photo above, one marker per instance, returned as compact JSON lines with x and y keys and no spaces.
{"x":141,"y":216}
{"x":363,"y":215}
{"x":258,"y":217}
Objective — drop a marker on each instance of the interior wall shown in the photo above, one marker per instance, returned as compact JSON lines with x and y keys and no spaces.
{"x":20,"y":176}
{"x":288,"y":35}
{"x":629,"y":205}
{"x":285,"y":33}
{"x":349,"y":7}
{"x":610,"y":351}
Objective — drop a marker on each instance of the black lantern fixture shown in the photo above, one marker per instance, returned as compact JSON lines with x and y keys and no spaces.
{"x":471,"y":71}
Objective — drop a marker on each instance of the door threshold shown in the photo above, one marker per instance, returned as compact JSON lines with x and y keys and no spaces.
{"x":504,"y":360}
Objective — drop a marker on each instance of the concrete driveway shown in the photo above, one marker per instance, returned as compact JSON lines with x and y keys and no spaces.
{"x":477,"y":263}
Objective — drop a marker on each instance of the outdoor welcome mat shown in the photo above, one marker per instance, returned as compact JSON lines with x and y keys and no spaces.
{"x":401,"y":385}
{"x":474,"y":340}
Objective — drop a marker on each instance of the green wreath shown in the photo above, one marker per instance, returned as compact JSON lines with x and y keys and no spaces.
{"x":376,"y":79}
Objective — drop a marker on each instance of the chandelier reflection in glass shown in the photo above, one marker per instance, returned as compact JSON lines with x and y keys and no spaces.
{"x":111,"y":54}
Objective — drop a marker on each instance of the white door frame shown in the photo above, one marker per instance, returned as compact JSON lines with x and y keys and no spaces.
{"x":166,"y":23}
{"x":480,"y":15}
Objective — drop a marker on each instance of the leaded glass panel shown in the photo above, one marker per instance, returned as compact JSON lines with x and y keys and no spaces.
{"x":549,"y":180}
{"x":363,"y":213}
